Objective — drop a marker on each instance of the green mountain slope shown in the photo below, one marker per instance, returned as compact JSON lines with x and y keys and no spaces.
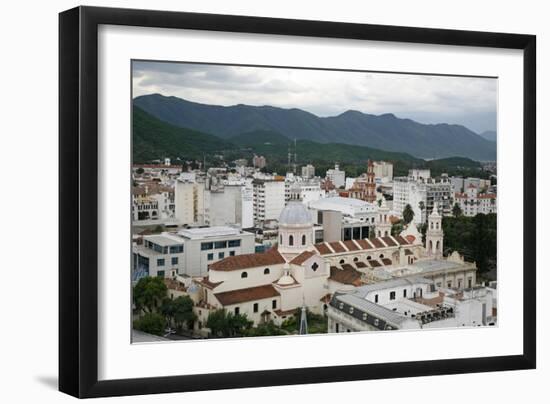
{"x":154,"y":139}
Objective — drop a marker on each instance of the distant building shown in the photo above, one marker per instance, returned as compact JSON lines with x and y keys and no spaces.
{"x":308,"y":171}
{"x":306,"y":191}
{"x":383,"y":171}
{"x":336,"y":177}
{"x":259,"y":161}
{"x":473,"y":202}
{"x":364,"y":187}
{"x":152,"y":203}
{"x":268,"y":199}
{"x":421,"y":193}
{"x":189,"y":200}
{"x":241,"y":162}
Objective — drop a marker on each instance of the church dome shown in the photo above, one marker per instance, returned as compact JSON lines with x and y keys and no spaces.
{"x":295,"y":213}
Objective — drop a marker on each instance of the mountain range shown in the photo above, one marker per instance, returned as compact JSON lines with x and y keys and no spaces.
{"x":383,"y":132}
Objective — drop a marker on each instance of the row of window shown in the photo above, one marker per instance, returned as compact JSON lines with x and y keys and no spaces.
{"x":161,"y":261}
{"x":256,"y":307}
{"x":221,"y":255}
{"x":291,"y":240}
{"x":244,"y":274}
{"x":220,"y":244}
{"x":175,"y":249}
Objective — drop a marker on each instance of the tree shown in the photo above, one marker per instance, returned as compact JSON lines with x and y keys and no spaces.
{"x":223,"y":324}
{"x":148,"y":292}
{"x":457,"y":211}
{"x":183,"y":312}
{"x":264,"y":329}
{"x":151,"y":323}
{"x":408,"y":214}
{"x":397,"y":228}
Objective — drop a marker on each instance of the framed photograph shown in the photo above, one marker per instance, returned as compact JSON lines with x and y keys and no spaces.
{"x":251,"y":201}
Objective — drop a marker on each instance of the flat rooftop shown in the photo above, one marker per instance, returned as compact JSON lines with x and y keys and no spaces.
{"x":209,"y":232}
{"x":164,"y":240}
{"x":428,"y":266}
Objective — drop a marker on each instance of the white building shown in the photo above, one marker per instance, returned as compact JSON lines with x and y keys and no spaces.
{"x":308,"y":171}
{"x":306,"y":191}
{"x":473,"y":202}
{"x":337,"y":177}
{"x":190,"y":200}
{"x":276,"y":284}
{"x":152,"y":203}
{"x":383,"y":171}
{"x":189,"y":251}
{"x":268,"y":199}
{"x":410,"y":303}
{"x":421,"y":193}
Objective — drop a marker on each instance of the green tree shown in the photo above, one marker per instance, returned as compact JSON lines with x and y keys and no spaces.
{"x":148,"y":292}
{"x":397,"y":228}
{"x":152,"y":323}
{"x":457,"y":211}
{"x":183,"y":312}
{"x":223,"y":324}
{"x":264,"y":329}
{"x":408,"y":214}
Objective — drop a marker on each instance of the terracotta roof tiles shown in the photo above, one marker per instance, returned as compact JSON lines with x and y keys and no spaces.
{"x":246,"y":295}
{"x":270,"y":257}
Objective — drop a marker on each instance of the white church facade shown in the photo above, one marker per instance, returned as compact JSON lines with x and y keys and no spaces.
{"x":274,"y":285}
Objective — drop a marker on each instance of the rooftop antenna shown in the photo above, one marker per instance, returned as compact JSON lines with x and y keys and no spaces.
{"x":295,"y":156}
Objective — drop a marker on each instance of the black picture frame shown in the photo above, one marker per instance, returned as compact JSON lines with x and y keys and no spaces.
{"x":78,"y":200}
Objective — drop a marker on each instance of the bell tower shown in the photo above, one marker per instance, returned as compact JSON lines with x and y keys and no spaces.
{"x":383,"y":225}
{"x":434,"y":234}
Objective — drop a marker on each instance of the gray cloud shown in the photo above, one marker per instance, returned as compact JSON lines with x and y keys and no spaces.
{"x":429,"y":99}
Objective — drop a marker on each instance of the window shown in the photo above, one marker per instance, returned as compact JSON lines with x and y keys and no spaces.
{"x":381,"y":256}
{"x":351,"y":310}
{"x":364,"y":316}
{"x":342,"y":262}
{"x":404,"y":292}
{"x":375,"y":298}
{"x":231,"y":253}
{"x":337,"y":327}
{"x":356,"y":233}
{"x":356,"y":259}
{"x":266,"y":271}
{"x":244,"y":275}
{"x":392,"y":295}
{"x":206,"y":246}
{"x":160,"y":274}
{"x":304,"y":239}
{"x":220,"y":244}
{"x":369,"y":258}
{"x":210,"y":257}
{"x":469,"y":282}
{"x":221,"y":255}
{"x":237,"y":311}
{"x":314,"y":266}
{"x":280,"y":239}
{"x":274,"y":304}
{"x":255,"y":307}
{"x":449,"y":284}
{"x":234,"y":243}
{"x":291,"y":240}
{"x":174,"y":260}
{"x":176,"y":249}
{"x":376,"y":322}
{"x":160,"y":262}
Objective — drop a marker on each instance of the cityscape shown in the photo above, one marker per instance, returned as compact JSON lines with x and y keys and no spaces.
{"x":263,"y":207}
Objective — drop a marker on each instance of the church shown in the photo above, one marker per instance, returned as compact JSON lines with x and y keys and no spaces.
{"x":274,"y":285}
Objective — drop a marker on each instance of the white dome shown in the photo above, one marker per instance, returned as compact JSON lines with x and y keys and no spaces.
{"x":285,"y":280}
{"x":295,"y":213}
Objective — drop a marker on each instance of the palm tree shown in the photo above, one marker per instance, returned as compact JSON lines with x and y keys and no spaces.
{"x":408,"y":214}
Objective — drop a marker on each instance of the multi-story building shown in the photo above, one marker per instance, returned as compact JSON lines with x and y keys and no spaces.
{"x":343,"y":218}
{"x":188,"y":251}
{"x":268,"y":199}
{"x":259,"y":161}
{"x":305,"y":191}
{"x":473,"y":201}
{"x":336,"y":177}
{"x":308,"y":171}
{"x":189,"y":200}
{"x":152,"y":203}
{"x":383,"y":171}
{"x":421,"y":193}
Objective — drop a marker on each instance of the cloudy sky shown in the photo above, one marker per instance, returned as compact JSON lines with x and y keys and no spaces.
{"x":428,"y":99}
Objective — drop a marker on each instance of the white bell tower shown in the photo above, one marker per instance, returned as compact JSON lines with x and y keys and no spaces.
{"x":434,"y":234}
{"x":383,"y":225}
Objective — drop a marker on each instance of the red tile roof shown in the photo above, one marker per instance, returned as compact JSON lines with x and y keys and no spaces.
{"x":246,"y":295}
{"x":388,"y":240}
{"x":345,"y":276}
{"x":377,"y":243}
{"x":410,"y":238}
{"x":365,"y":245}
{"x":350,"y":245}
{"x":401,"y":240}
{"x":408,"y":252}
{"x":386,"y":261}
{"x":300,"y":259}
{"x":270,"y":257}
{"x":374,"y":263}
{"x":323,"y":249}
{"x":361,"y":264}
{"x":207,"y":284}
{"x":337,"y":247}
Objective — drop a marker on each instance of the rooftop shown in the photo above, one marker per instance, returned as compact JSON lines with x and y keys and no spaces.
{"x":164,"y":239}
{"x":270,"y":257}
{"x":246,"y":295}
{"x":209,"y":232}
{"x":439,"y":265}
